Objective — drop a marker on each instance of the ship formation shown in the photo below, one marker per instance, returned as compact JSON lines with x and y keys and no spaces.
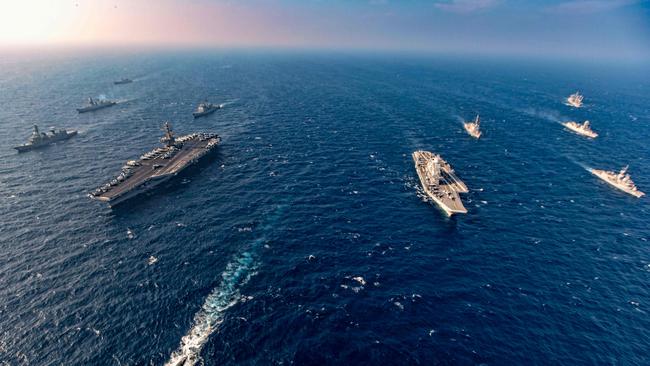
{"x":157,"y":166}
{"x":620,"y":180}
{"x":439,"y":182}
{"x":205,"y":108}
{"x":39,"y":139}
{"x":583,"y":129}
{"x":473,"y":128}
{"x":575,"y":100}
{"x":94,"y":105}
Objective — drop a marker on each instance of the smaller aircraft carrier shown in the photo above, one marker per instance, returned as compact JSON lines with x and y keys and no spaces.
{"x":440,"y":182}
{"x":157,"y":166}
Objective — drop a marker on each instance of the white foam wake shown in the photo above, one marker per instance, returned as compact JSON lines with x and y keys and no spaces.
{"x":224,"y":296}
{"x":207,"y":320}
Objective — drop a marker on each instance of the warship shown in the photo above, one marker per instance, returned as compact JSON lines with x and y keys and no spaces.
{"x":40,"y":139}
{"x":473,"y":128}
{"x":583,"y":129}
{"x":575,"y":100}
{"x":440,"y":182}
{"x":156,"y":166}
{"x":123,"y":81}
{"x":94,"y":105}
{"x":621,"y":180}
{"x":205,"y":108}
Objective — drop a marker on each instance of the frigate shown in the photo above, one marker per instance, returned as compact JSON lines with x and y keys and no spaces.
{"x":39,"y":139}
{"x":575,"y":100}
{"x":473,"y":128}
{"x":620,"y":180}
{"x":123,"y":81}
{"x":94,"y":105}
{"x":205,"y":108}
{"x":583,"y":129}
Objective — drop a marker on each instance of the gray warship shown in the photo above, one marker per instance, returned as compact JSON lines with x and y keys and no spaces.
{"x":440,"y":182}
{"x":205,"y":108}
{"x":40,"y":139}
{"x":123,"y":81}
{"x":157,"y":166}
{"x":94,"y":105}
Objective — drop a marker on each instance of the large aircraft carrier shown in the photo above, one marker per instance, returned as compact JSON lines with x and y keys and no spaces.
{"x":157,"y":166}
{"x":440,"y":182}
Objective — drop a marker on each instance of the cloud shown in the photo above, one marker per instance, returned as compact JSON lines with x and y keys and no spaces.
{"x":589,"y":6}
{"x":466,"y":6}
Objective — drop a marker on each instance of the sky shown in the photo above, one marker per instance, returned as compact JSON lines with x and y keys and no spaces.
{"x":611,"y":29}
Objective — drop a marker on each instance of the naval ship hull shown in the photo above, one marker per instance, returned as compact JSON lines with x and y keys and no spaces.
{"x":145,"y":187}
{"x":444,"y":194}
{"x":121,"y":82}
{"x":151,"y":173}
{"x":468,"y":129}
{"x":605,"y":177}
{"x":591,"y":135}
{"x":30,"y":147}
{"x":205,"y":113}
{"x":96,"y":107}
{"x":572,"y":103}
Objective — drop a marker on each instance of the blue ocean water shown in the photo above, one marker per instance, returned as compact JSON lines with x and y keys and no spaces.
{"x":304,"y":240}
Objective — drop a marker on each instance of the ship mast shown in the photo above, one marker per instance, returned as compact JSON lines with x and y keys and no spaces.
{"x":168,"y":139}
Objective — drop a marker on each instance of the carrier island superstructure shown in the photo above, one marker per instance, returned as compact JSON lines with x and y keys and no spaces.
{"x":439,"y":182}
{"x":157,"y":166}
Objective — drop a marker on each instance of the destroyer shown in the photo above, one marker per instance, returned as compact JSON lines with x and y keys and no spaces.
{"x":157,"y":166}
{"x":205,"y":108}
{"x":40,"y":139}
{"x":123,"y":81}
{"x":575,"y":100}
{"x":94,"y":105}
{"x":440,"y":182}
{"x":621,"y":180}
{"x":473,"y":128}
{"x":583,"y":129}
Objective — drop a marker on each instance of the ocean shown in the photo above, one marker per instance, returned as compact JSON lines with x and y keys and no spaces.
{"x":305,"y":240}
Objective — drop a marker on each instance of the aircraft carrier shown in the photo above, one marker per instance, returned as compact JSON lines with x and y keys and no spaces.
{"x":440,"y":182}
{"x":157,"y":166}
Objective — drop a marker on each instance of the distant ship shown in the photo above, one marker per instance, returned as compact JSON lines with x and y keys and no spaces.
{"x":473,"y":128}
{"x":621,"y":180}
{"x":205,"y":108}
{"x":440,"y":182}
{"x":94,"y":105}
{"x":39,"y":139}
{"x":583,"y":129}
{"x":575,"y":100}
{"x":157,"y":166}
{"x":123,"y":81}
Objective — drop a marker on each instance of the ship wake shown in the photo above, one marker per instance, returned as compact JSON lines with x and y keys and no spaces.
{"x":207,"y":320}
{"x":549,"y":115}
{"x":582,"y":165}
